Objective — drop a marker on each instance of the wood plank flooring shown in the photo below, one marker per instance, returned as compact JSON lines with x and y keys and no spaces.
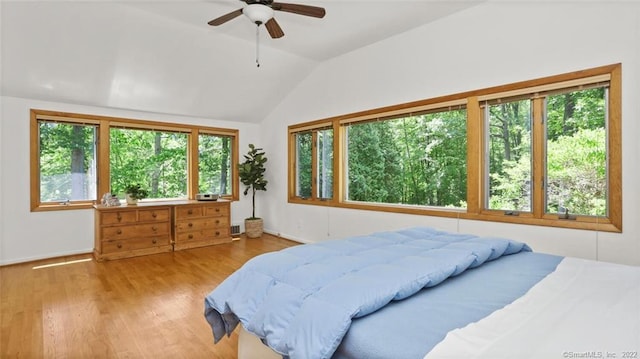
{"x":145,"y":307}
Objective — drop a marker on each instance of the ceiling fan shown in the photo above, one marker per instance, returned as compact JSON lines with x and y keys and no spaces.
{"x":262,"y":11}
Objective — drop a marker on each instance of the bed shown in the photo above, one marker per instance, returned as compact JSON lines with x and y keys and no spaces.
{"x":425,"y":293}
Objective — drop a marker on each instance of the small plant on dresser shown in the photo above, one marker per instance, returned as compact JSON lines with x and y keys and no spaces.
{"x":134,"y":192}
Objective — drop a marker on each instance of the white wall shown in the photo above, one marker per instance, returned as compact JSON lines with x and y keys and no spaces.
{"x":491,"y":44}
{"x":26,"y":235}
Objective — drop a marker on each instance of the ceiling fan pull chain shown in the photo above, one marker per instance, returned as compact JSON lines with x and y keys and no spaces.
{"x":258,"y":45}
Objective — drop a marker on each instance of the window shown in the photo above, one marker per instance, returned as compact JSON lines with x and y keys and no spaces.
{"x":541,"y":152}
{"x":418,"y":159}
{"x":566,"y":177}
{"x":76,"y":158}
{"x":314,"y":158}
{"x":156,"y":159}
{"x":304,"y":166}
{"x":67,"y":157}
{"x":215,"y":163}
{"x":509,"y":155}
{"x":576,"y":150}
{"x":324,"y":169}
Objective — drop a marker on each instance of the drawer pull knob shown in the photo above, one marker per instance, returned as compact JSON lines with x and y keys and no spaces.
{"x":154,"y":228}
{"x":119,"y":231}
{"x":190,"y":224}
{"x":119,"y":246}
{"x":191,"y":236}
{"x":119,"y":217}
{"x":190,"y":211}
{"x":217,"y":221}
{"x":154,"y":241}
{"x":217,"y":209}
{"x":154,"y":215}
{"x":217,"y":233}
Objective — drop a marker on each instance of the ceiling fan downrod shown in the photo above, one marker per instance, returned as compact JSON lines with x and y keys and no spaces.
{"x":258,"y":43}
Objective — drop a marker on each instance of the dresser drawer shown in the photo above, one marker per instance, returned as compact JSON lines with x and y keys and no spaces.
{"x":133,"y":231}
{"x":188,"y":212}
{"x":124,"y":245}
{"x":208,"y":235}
{"x":215,"y":211}
{"x":154,"y":215}
{"x":193,"y":224}
{"x":220,"y":223}
{"x":117,"y":217}
{"x":204,"y":223}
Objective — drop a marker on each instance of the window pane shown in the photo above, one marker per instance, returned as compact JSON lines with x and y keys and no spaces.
{"x":325,"y":163}
{"x":303,"y":164}
{"x":576,"y":153}
{"x":155,"y":159}
{"x":214,"y":153}
{"x":509,"y":156}
{"x":414,"y":160}
{"x":67,"y":162}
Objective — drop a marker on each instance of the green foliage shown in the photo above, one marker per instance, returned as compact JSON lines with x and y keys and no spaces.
{"x":577,"y":173}
{"x":155,"y":159}
{"x":214,"y":158}
{"x":510,"y":156}
{"x":67,"y":162}
{"x":419,"y":160}
{"x":325,"y":163}
{"x":136,"y":191}
{"x":569,"y":112}
{"x":251,"y":173}
{"x":576,"y":154}
{"x":304,"y":169}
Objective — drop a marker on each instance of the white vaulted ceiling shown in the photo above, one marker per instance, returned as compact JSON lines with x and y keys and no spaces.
{"x":161,"y":56}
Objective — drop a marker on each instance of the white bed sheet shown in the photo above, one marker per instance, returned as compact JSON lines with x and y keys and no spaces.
{"x":584,"y":309}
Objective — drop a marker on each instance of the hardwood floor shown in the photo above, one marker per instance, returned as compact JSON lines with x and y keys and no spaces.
{"x":144,"y":307}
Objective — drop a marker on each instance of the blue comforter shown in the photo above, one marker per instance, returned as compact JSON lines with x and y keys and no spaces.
{"x":301,"y":300}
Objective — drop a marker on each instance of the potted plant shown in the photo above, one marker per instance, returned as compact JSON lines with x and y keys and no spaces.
{"x":134,"y":192}
{"x":251,"y":173}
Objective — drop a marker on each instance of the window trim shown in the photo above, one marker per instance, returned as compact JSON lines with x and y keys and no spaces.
{"x":104,"y":124}
{"x":475,"y":154}
{"x":313,"y":128}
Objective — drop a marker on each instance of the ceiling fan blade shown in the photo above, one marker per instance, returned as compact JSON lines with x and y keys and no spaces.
{"x":305,"y":10}
{"x":274,"y":28}
{"x":224,"y":18}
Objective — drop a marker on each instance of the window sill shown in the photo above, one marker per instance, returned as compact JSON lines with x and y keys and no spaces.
{"x":61,"y":207}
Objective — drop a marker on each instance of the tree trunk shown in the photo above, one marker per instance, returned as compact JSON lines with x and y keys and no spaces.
{"x":77,"y":164}
{"x":505,"y":130}
{"x":569,"y":108}
{"x":155,"y":176}
{"x":224,"y":165}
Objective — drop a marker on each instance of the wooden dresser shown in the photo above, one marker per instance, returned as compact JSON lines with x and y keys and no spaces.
{"x":149,"y":228}
{"x":201,"y":224}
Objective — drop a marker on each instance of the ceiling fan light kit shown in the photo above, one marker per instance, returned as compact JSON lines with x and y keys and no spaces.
{"x":257,"y":13}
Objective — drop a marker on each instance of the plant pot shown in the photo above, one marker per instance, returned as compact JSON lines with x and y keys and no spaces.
{"x":130,"y":201}
{"x":253,"y":227}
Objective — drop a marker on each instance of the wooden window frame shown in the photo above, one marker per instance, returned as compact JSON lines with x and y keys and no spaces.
{"x":475,"y":152}
{"x":104,"y":124}
{"x":313,"y":128}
